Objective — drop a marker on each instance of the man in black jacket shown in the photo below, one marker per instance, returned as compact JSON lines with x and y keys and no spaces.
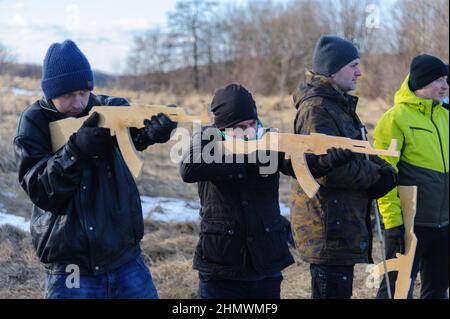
{"x":86,"y":223}
{"x":242,"y":247}
{"x":333,"y":228}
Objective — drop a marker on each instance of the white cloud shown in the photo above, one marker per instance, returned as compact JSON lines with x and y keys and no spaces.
{"x":15,"y":5}
{"x":17,"y":21}
{"x":102,"y":30}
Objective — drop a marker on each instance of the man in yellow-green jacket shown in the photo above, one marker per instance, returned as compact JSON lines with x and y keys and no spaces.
{"x":421,"y":125}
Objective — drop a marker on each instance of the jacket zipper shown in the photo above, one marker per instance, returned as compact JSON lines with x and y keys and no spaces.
{"x":85,"y":224}
{"x":440,"y":141}
{"x":442,"y":153}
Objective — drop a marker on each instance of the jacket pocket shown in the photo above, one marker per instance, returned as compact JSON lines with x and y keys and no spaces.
{"x":415,"y":128}
{"x":346,"y":229}
{"x":219,"y":243}
{"x":275,"y":240}
{"x":42,"y":224}
{"x":216,"y":211}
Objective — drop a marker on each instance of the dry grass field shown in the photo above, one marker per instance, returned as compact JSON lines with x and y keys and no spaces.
{"x":168,"y":247}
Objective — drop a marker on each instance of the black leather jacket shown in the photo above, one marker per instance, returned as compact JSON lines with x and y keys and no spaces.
{"x":85,"y":212}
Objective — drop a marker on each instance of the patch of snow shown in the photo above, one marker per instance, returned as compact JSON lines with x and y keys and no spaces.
{"x":17,"y":91}
{"x":16,"y":221}
{"x":163,"y":209}
{"x":285,"y":210}
{"x":167,"y":209}
{"x":8,"y":194}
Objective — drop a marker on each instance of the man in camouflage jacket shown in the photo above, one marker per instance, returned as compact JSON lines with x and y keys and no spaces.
{"x":333,"y":229}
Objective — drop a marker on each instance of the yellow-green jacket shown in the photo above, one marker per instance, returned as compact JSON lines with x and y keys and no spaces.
{"x":422,"y":131}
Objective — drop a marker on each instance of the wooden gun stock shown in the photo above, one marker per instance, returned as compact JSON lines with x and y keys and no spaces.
{"x":403,"y":262}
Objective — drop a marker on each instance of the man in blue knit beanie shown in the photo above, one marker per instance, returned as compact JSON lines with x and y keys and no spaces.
{"x":86,"y":223}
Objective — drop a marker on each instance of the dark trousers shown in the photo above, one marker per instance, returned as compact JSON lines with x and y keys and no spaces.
{"x":331,"y":281}
{"x":431,"y":260}
{"x":268,"y":288}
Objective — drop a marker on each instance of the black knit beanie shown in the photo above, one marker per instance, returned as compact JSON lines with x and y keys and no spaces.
{"x":331,"y":54}
{"x":232,"y":104}
{"x":425,"y":69}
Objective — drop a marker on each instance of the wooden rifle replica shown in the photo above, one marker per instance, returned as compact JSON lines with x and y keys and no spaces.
{"x":296,"y":146}
{"x":119,"y":120}
{"x":403,"y":263}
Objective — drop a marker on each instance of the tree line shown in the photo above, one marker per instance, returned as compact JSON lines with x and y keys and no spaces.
{"x":268,"y":45}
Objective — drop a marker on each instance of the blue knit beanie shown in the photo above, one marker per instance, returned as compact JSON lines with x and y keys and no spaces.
{"x":331,"y":54}
{"x":66,"y":69}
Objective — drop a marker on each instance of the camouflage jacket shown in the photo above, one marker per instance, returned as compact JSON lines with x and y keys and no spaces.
{"x":333,"y":227}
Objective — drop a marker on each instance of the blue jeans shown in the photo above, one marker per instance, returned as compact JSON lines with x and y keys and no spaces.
{"x":130,"y":281}
{"x":331,"y":281}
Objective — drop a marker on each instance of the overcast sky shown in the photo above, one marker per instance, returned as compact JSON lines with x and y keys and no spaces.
{"x":104,"y":30}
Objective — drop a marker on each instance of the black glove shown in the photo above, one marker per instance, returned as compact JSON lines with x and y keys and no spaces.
{"x":158,"y":128}
{"x":386,"y":182}
{"x":335,"y":157}
{"x":395,"y":241}
{"x":92,"y":141}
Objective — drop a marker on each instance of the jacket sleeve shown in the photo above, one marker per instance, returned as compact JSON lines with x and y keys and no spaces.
{"x":389,"y":205}
{"x":197,"y":166}
{"x":358,"y":174}
{"x":48,"y":179}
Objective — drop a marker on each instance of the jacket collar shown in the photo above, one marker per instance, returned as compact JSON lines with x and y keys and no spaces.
{"x":48,"y":105}
{"x":407,"y":97}
{"x":317,"y":85}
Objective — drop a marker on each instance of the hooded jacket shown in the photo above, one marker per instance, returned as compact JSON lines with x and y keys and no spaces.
{"x":334,"y":226}
{"x":422,"y":131}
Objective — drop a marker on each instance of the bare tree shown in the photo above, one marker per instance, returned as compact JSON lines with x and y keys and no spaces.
{"x":190,"y":25}
{"x":347,"y":18}
{"x":423,"y":27}
{"x":273,"y":43}
{"x":267,"y":45}
{"x":151,"y":53}
{"x":151,"y":58}
{"x":5,"y":57}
